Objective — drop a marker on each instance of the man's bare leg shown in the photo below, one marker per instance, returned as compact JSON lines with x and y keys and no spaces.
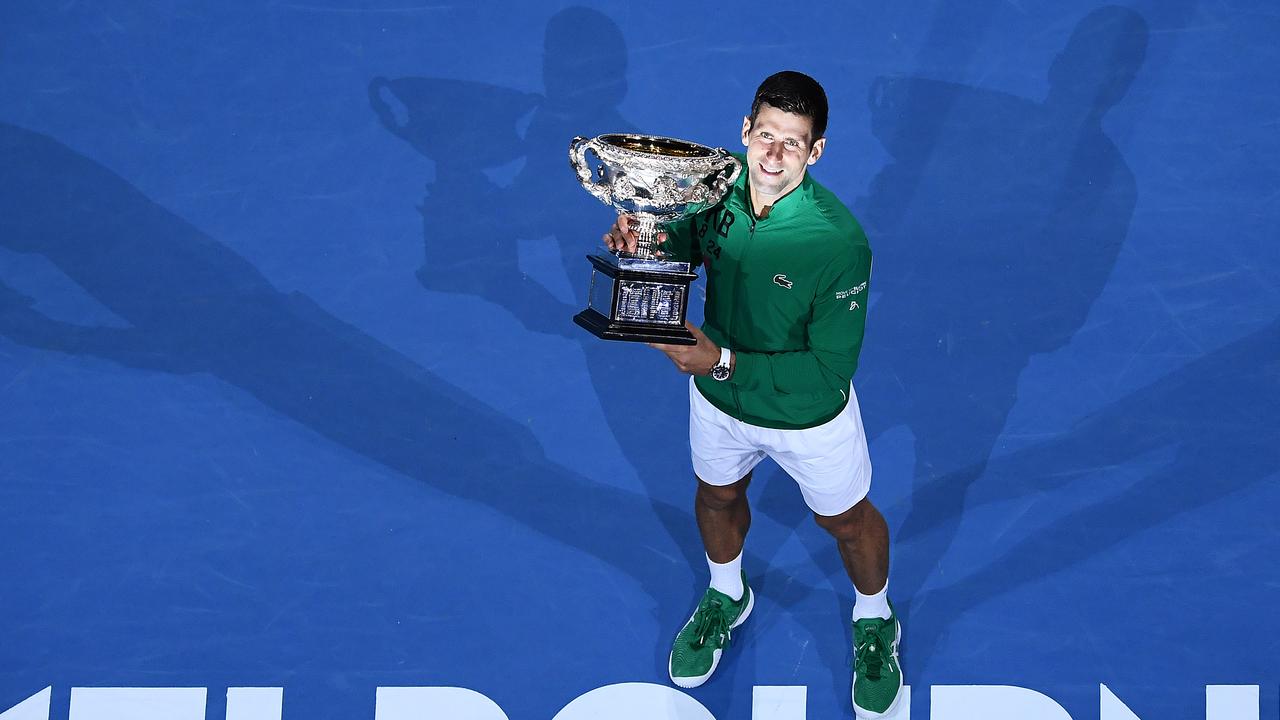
{"x":723,"y":518}
{"x":862,"y":536}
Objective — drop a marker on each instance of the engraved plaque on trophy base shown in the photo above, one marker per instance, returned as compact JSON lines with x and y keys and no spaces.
{"x":638,"y":299}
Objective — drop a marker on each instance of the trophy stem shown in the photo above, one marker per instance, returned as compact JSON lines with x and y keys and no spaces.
{"x":646,"y":228}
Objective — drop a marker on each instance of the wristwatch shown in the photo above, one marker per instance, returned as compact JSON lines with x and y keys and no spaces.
{"x":720,"y":371}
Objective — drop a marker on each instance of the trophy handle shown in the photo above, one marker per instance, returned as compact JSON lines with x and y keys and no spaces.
{"x":578,"y":161}
{"x":722,"y":182}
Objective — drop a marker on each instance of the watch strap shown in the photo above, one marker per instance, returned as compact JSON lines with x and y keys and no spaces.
{"x":720,"y":371}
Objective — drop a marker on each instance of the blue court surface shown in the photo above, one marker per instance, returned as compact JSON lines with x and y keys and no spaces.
{"x":290,"y":397}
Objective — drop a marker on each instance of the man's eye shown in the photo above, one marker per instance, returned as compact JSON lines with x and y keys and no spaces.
{"x":793,"y":144}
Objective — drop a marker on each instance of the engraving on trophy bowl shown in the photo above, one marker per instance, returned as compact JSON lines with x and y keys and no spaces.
{"x":654,"y":180}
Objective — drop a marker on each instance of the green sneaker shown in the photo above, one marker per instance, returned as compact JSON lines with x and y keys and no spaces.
{"x":697,"y":648}
{"x":877,"y":676}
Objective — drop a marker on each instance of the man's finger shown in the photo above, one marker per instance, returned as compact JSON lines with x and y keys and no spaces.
{"x":695,"y":331}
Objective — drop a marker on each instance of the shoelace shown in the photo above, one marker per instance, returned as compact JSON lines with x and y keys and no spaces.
{"x":872,"y":656}
{"x":711,"y":622}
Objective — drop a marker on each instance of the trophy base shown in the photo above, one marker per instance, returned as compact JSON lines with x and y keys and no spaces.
{"x":602,"y":327}
{"x":638,"y":299}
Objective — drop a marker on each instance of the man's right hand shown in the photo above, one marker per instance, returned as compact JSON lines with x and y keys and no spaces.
{"x":622,"y":237}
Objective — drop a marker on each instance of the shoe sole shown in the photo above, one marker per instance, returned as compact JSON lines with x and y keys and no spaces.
{"x":694,"y":681}
{"x":864,"y":714}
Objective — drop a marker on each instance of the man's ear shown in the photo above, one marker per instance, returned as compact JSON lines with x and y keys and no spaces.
{"x":746,"y":131}
{"x":815,"y":152}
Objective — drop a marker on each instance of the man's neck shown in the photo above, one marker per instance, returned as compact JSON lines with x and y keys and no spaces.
{"x":758,"y":207}
{"x":762,"y":205}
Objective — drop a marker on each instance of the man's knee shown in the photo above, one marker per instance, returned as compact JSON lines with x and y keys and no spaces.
{"x":847,"y":524}
{"x":720,"y":497}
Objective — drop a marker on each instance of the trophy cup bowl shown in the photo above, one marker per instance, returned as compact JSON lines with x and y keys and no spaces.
{"x":655,"y":180}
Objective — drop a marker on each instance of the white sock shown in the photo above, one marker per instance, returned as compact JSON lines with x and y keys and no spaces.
{"x":870,"y":606}
{"x":727,"y":577}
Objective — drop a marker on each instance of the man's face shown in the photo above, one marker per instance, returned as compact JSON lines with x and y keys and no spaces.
{"x":780,"y":147}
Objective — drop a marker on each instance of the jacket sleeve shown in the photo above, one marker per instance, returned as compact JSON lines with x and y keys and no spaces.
{"x":684,"y":240}
{"x":835,"y":332}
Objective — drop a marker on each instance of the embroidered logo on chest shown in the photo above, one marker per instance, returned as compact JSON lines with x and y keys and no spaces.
{"x":781,"y":281}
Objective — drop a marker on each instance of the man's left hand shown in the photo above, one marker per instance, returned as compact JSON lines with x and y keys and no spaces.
{"x":693,"y":359}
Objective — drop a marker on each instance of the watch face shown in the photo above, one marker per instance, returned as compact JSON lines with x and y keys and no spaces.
{"x":720,"y":372}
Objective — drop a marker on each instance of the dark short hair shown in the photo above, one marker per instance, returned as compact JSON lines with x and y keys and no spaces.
{"x":793,"y":92}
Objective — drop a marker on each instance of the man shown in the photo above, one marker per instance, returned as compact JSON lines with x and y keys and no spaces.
{"x":787,"y":272}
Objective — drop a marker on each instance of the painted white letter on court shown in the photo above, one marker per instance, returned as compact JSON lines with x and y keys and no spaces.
{"x":634,"y":701}
{"x":1111,"y":707}
{"x":137,"y":703}
{"x":1231,"y":702}
{"x":779,"y":702}
{"x":35,"y":707}
{"x":993,"y":702}
{"x":255,"y":703}
{"x":432,"y":703}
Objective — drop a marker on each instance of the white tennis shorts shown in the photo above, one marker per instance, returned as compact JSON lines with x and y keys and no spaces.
{"x":829,"y":462}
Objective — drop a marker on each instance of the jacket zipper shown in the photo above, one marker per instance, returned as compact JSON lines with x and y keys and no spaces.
{"x":737,"y":290}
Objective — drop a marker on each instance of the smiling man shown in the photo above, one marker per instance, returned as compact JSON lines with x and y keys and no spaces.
{"x":787,"y":274}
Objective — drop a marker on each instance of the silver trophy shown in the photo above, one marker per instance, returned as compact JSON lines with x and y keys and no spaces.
{"x":655,"y":180}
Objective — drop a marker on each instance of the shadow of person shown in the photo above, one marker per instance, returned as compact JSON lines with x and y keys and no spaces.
{"x":1215,"y":418}
{"x":584,"y":66}
{"x":996,"y":226}
{"x":192,"y":305}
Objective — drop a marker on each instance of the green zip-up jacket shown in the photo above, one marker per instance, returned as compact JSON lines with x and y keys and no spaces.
{"x":788,"y":294}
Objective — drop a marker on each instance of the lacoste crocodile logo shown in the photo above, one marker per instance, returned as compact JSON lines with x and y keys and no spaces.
{"x":782,"y":281}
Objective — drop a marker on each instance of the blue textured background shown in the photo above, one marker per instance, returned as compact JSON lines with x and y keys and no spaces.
{"x":289,"y":394}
